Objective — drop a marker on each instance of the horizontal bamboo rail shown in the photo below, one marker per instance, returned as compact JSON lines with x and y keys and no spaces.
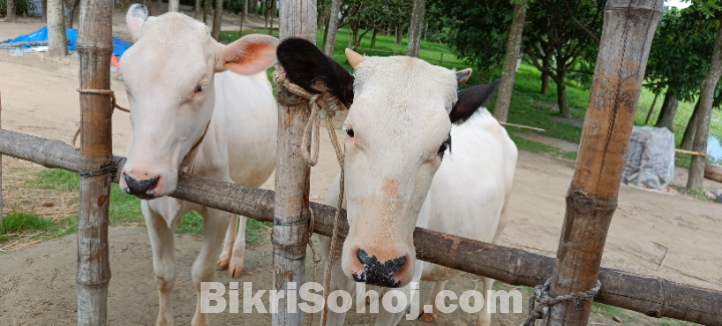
{"x":651,"y":296}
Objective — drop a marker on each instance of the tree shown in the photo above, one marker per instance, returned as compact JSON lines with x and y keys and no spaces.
{"x":566,"y":33}
{"x":173,"y":5}
{"x":329,"y":40}
{"x":503,"y":98}
{"x":679,"y":59}
{"x":696,"y":169}
{"x":57,"y":40}
{"x":197,"y":10}
{"x":415,"y":28}
{"x":273,"y":15}
{"x":217,"y":17}
{"x":10,"y":16}
{"x":71,"y":6}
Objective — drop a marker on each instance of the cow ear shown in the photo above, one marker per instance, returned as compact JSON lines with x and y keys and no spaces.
{"x":470,"y":100}
{"x":249,"y":55}
{"x":307,"y":67}
{"x":135,"y":18}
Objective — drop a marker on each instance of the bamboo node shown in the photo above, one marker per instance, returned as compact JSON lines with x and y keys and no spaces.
{"x":113,"y":104}
{"x":547,"y":300}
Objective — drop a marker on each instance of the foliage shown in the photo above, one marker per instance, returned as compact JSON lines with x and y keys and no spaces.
{"x":22,"y":8}
{"x":681,"y":53}
{"x":558,"y":38}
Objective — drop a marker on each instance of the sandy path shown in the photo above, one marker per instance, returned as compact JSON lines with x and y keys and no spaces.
{"x":37,"y":283}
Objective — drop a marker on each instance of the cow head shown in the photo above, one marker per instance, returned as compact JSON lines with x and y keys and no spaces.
{"x":168,"y":76}
{"x":398,"y":132}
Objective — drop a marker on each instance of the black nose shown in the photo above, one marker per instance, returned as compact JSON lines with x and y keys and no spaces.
{"x":139,"y":188}
{"x":378,"y":273}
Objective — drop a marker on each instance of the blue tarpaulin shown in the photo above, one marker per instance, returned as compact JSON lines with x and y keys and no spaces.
{"x":119,"y":46}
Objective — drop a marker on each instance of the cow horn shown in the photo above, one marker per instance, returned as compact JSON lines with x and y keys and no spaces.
{"x":353,"y":58}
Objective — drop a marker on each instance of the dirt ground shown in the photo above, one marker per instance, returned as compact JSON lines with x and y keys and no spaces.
{"x":37,"y":282}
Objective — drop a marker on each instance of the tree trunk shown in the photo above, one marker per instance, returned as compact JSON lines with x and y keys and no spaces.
{"x":44,"y":4}
{"x":592,"y":195}
{"x":265,"y":14}
{"x":691,"y":129}
{"x":94,"y":48}
{"x":373,"y":37}
{"x":71,"y":6}
{"x":11,"y":17}
{"x":197,"y":10}
{"x":206,"y":10}
{"x":330,"y":40}
{"x":696,"y":169}
{"x":562,"y":94}
{"x":273,"y":13}
{"x":217,"y":19}
{"x":544,"y":84}
{"x":503,"y":97}
{"x":246,"y":3}
{"x":173,"y":5}
{"x":399,"y":35}
{"x":669,"y":109}
{"x":651,"y":109}
{"x":416,"y":28}
{"x":57,"y":40}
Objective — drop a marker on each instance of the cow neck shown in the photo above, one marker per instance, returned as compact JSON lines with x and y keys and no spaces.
{"x":193,"y":149}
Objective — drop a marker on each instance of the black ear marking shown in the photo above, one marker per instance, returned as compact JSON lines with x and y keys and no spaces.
{"x":308,"y":67}
{"x":469,"y":101}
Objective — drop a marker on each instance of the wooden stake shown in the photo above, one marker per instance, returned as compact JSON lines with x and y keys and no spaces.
{"x":94,"y":47}
{"x":651,"y":296}
{"x":629,"y":27}
{"x":290,"y":228}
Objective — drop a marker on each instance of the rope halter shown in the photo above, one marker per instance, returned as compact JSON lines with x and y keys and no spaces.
{"x":321,"y":108}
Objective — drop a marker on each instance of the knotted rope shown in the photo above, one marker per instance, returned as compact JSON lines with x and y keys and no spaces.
{"x":99,"y":92}
{"x":546,"y":301}
{"x":321,"y":107}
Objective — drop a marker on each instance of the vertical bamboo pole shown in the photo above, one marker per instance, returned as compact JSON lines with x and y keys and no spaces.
{"x":95,"y":48}
{"x":629,"y":27}
{"x":290,"y":229}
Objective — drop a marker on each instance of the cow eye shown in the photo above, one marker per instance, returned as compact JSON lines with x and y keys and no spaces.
{"x":349,"y":132}
{"x":446,"y":145}
{"x":200,"y":88}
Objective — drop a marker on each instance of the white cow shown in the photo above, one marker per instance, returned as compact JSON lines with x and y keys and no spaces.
{"x":415,"y":156}
{"x":191,"y":114}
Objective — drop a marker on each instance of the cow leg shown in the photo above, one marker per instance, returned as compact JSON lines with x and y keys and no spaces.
{"x":161,"y":240}
{"x":215,"y":223}
{"x":225,"y":257}
{"x":339,"y":281}
{"x":483,"y":317}
{"x":239,"y":249}
{"x":386,"y":318}
{"x":431,"y":301}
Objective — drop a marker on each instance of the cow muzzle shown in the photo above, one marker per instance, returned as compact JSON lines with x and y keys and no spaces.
{"x":366,"y":266}
{"x":146,"y":187}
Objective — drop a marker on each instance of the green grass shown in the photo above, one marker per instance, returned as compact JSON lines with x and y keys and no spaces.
{"x":124,"y":209}
{"x":670,"y":322}
{"x":606,"y":310}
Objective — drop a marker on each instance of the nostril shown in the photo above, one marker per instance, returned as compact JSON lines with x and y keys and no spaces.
{"x":376,"y":272}
{"x":139,"y":187}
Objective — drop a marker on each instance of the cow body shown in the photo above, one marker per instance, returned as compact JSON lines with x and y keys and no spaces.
{"x":467,"y":198}
{"x":198,"y":107}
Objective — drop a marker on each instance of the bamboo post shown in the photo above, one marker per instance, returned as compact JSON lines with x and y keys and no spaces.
{"x":95,"y":47}
{"x":629,"y":27}
{"x":290,"y":229}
